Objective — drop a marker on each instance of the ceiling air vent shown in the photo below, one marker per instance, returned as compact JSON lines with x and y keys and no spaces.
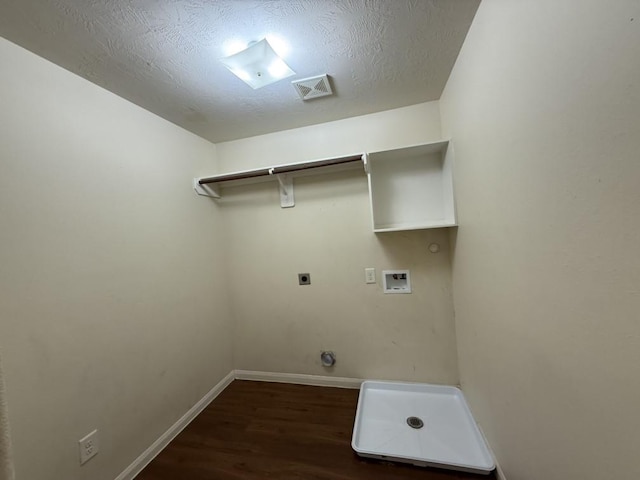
{"x":313,"y":87}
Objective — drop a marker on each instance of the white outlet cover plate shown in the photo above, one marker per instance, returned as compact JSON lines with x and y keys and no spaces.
{"x":89,"y":446}
{"x":370,"y":275}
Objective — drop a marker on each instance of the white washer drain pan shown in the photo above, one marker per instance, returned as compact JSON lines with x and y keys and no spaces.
{"x":449,"y":438}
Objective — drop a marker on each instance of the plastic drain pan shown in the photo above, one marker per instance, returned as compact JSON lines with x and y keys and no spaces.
{"x":387,"y":427}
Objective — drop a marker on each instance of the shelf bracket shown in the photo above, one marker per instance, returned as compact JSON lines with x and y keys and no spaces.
{"x":365,"y":161}
{"x":286,"y":191}
{"x":208,"y":190}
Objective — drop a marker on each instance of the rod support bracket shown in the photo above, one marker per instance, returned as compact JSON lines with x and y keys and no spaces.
{"x":285,"y":183}
{"x":208,"y":190}
{"x":365,"y":161}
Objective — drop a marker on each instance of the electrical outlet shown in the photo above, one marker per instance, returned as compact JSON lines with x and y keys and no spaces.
{"x":89,"y":446}
{"x":370,"y":275}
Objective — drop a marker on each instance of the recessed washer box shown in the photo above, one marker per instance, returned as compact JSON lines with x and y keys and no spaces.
{"x":425,"y":425}
{"x":396,"y":281}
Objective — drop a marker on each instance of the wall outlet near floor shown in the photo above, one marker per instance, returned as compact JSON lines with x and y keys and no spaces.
{"x":89,"y":446}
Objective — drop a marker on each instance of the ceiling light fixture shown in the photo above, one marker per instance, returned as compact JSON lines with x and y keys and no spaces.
{"x":258,"y":65}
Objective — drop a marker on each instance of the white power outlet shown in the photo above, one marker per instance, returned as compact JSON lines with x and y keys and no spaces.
{"x":89,"y":446}
{"x":370,"y":275}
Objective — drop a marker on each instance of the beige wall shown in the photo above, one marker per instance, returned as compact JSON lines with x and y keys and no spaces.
{"x":118,"y":283}
{"x":544,"y":109}
{"x":281,"y":326}
{"x":377,"y":131}
{"x":112,"y":314}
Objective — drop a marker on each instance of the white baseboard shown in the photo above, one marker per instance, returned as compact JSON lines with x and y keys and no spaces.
{"x":299,"y":378}
{"x":156,"y":447}
{"x":499,"y":473}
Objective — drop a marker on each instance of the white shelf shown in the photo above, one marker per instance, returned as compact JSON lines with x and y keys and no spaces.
{"x":412,"y":188}
{"x":416,"y":226}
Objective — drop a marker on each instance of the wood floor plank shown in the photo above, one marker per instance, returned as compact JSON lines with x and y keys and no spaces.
{"x":259,"y":430}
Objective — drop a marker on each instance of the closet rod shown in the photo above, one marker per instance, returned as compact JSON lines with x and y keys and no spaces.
{"x":279,"y":170}
{"x":264,"y":172}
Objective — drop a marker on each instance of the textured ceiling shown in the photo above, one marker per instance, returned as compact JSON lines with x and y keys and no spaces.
{"x":163,"y":54}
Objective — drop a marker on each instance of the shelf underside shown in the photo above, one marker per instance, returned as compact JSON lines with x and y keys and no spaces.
{"x":413,"y":226}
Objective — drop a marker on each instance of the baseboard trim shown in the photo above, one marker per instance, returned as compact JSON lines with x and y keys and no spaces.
{"x":499,"y":473}
{"x":156,"y":447}
{"x":298,"y":378}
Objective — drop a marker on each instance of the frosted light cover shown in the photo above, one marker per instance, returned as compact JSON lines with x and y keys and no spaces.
{"x":258,"y":65}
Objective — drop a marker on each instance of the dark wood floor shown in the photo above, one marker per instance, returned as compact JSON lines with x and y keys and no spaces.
{"x":257,"y":430}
